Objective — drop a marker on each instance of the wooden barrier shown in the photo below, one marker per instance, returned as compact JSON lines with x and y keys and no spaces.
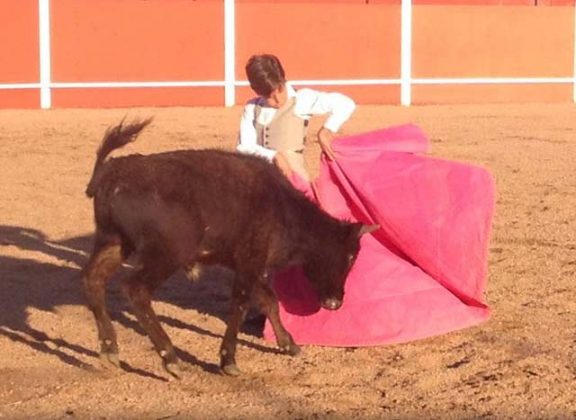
{"x":123,"y":53}
{"x":492,"y":42}
{"x":345,"y":40}
{"x":19,"y":53}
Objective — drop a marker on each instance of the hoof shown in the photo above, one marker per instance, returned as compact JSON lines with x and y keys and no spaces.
{"x":231,"y":370}
{"x":291,"y":349}
{"x":173,"y":368}
{"x":110,"y":360}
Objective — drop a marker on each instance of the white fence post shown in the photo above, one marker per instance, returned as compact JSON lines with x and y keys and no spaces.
{"x":45,"y":55}
{"x":229,"y":53}
{"x":574,"y":58}
{"x":406,"y":53}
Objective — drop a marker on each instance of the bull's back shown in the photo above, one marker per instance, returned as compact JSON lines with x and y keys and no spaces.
{"x":222,"y":190}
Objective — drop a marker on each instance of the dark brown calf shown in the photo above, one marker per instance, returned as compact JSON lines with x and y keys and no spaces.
{"x":173,"y":210}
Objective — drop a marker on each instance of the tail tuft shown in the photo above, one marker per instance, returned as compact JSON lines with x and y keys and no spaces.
{"x":114,"y":138}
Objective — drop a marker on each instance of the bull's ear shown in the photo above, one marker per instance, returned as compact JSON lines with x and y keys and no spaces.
{"x":367,"y":229}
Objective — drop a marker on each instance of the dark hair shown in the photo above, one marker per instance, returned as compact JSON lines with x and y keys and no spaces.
{"x":265,"y":74}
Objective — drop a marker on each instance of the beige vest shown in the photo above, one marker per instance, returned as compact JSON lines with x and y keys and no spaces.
{"x":285,"y":133}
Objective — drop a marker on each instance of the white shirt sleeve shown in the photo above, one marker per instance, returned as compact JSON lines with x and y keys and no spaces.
{"x":339,"y":107}
{"x":247,"y":137}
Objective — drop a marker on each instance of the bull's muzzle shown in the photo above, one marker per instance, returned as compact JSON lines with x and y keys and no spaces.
{"x":331,"y":304}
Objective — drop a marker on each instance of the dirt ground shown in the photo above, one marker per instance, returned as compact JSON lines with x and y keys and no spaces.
{"x":519,"y":364}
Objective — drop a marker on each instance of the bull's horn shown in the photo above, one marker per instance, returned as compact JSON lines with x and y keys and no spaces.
{"x":368,"y":229}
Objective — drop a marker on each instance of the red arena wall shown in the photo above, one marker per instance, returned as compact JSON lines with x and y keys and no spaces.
{"x":493,"y":42}
{"x":122,"y":53}
{"x":130,"y":41}
{"x":19,"y":51}
{"x":343,"y":40}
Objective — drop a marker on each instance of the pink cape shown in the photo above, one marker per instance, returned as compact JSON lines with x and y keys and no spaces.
{"x":423,"y":273}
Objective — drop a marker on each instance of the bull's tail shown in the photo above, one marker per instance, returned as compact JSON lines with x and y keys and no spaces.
{"x":114,"y":138}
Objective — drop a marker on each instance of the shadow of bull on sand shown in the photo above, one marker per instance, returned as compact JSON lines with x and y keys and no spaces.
{"x":45,"y":275}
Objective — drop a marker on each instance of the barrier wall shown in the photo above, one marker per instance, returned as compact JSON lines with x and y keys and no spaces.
{"x":340,"y":40}
{"x":493,"y":42}
{"x":121,"y":53}
{"x":131,"y":41}
{"x":19,"y":53}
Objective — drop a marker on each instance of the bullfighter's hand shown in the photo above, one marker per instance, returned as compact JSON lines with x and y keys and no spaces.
{"x":325,"y":137}
{"x":282,"y":163}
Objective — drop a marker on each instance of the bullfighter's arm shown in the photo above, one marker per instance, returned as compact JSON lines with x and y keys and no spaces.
{"x":337,"y":106}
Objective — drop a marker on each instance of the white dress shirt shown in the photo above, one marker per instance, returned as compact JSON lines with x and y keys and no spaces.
{"x":308,"y":102}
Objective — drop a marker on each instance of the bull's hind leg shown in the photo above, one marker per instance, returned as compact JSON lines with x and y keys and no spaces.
{"x":266,"y":300}
{"x":104,"y":261}
{"x":139,"y":288}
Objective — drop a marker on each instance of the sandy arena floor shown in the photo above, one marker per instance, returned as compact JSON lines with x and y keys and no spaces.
{"x":520,"y":364}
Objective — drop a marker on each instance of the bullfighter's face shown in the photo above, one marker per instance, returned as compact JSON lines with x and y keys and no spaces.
{"x":278,"y":97}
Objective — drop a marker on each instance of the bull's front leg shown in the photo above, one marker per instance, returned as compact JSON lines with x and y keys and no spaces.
{"x":266,"y":299}
{"x":240,"y":304}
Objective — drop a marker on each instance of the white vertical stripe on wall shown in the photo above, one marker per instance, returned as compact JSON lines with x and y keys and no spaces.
{"x":229,"y":52}
{"x":45,"y":55}
{"x":406,"y":53}
{"x":574,"y":57}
